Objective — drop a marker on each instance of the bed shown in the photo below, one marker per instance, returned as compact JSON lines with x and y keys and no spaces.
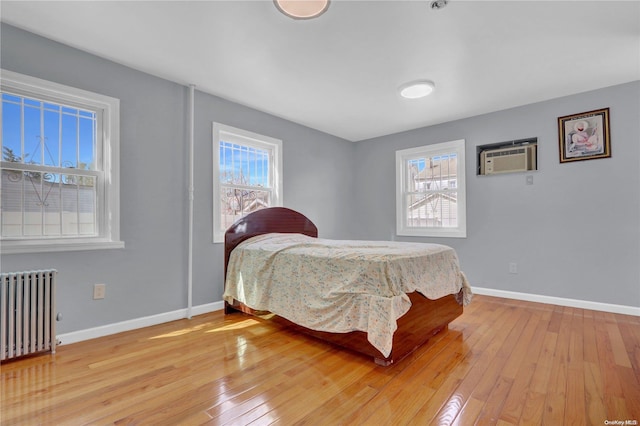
{"x":367,"y":297}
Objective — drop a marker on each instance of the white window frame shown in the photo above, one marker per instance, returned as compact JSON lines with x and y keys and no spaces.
{"x":402,"y":156}
{"x":108,"y":192}
{"x":222,"y":132}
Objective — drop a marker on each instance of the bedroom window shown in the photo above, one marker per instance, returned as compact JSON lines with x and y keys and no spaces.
{"x":430,"y":190}
{"x":60,"y":186}
{"x":247,"y":175}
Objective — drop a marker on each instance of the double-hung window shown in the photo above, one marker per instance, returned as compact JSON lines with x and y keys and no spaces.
{"x":247,"y":175}
{"x":430,"y":190}
{"x":60,"y":186}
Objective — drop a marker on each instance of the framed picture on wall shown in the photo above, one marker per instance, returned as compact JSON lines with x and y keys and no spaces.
{"x":584,"y":136}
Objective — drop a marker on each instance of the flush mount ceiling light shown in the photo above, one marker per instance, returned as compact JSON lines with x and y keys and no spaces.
{"x":302,"y":9}
{"x":417,"y":89}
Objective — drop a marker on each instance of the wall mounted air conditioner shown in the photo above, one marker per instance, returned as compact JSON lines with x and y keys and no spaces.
{"x":508,"y":159}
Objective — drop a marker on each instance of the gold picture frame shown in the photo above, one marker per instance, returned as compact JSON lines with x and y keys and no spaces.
{"x":584,"y":136}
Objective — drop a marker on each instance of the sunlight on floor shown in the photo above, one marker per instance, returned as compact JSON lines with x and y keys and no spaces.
{"x":179,"y":332}
{"x":235,"y":326}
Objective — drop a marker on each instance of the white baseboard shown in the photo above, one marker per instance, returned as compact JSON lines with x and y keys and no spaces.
{"x":561,"y":301}
{"x":119,"y":327}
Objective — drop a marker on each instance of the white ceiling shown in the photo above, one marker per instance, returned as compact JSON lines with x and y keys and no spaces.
{"x":340,"y":73}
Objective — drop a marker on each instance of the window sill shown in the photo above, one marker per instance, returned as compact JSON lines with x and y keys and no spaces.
{"x":58,"y":245}
{"x":436,"y":233}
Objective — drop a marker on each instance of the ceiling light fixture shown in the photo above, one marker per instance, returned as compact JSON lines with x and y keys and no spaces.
{"x":438,"y":4}
{"x":302,"y":9}
{"x":417,"y":89}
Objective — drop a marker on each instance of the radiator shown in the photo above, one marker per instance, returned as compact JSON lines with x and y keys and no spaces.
{"x":27,"y":321}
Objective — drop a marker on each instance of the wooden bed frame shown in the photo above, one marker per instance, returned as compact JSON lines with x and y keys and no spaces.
{"x":425,"y":318}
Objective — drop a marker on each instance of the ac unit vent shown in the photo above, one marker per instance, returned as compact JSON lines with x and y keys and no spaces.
{"x":502,"y":152}
{"x":507,"y":160}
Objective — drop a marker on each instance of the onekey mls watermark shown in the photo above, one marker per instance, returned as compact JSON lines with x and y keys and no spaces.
{"x":621,"y":422}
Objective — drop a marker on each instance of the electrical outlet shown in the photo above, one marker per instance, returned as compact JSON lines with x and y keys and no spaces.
{"x":513,"y":268}
{"x":99,"y":291}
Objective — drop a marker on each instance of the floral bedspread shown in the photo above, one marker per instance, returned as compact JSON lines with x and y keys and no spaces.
{"x":340,"y":285}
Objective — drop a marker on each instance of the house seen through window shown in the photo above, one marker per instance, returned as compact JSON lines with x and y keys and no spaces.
{"x":431,"y":190}
{"x":247,"y":175}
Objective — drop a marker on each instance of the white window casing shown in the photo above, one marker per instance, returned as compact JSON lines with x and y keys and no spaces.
{"x":102,"y":222}
{"x":252,"y":170}
{"x":431,"y":190}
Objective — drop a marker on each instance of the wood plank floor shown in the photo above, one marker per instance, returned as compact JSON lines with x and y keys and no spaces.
{"x":503,"y":362}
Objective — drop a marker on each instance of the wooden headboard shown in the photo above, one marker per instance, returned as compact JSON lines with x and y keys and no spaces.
{"x":272,"y":219}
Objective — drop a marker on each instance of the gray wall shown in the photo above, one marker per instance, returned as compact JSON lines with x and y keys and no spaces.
{"x":574,"y":233}
{"x":149,"y":276}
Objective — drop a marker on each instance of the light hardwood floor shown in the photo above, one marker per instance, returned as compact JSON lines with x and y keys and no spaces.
{"x":503,"y":362}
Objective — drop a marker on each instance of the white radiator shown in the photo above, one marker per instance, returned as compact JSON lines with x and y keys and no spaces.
{"x":27,"y":308}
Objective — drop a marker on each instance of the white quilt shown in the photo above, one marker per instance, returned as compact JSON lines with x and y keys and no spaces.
{"x":338,"y":285}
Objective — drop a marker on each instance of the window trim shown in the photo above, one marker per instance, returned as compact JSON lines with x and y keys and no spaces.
{"x":243,"y":137}
{"x":108,"y":212}
{"x":457,"y":146}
